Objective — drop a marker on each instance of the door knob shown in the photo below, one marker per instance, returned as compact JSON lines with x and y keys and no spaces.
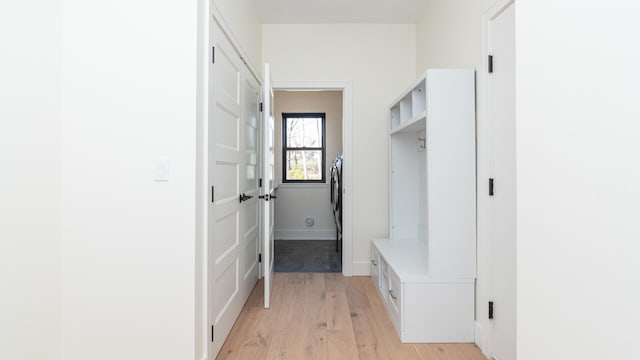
{"x":245,"y":197}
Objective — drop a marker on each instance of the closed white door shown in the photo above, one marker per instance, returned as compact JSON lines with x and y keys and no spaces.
{"x":503,"y":216}
{"x":268,"y":189}
{"x":249,"y":186}
{"x":226,"y":234}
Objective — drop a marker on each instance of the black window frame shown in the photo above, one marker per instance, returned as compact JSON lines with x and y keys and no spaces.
{"x":323,"y":149}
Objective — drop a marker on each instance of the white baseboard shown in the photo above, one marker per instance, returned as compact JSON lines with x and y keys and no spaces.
{"x":305,"y":234}
{"x":481,"y":340}
{"x":361,"y":268}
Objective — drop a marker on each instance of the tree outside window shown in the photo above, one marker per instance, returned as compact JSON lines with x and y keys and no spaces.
{"x":304,"y":147}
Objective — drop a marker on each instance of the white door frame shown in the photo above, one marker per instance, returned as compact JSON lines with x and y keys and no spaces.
{"x":483,"y":335}
{"x":347,"y":149}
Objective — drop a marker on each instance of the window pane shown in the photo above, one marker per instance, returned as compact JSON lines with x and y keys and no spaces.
{"x":304,"y":132}
{"x":304,"y":165}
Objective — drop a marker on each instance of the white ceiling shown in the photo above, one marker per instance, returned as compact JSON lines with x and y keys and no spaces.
{"x":340,"y":11}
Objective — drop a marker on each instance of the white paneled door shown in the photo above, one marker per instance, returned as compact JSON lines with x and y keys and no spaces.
{"x":503,"y":215}
{"x":249,"y":183}
{"x":269,"y":185}
{"x":233,"y":213}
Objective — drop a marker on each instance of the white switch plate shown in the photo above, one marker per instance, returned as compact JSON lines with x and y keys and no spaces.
{"x":162,"y":169}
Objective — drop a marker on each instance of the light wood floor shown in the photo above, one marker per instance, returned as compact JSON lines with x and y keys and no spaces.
{"x":326,"y":316}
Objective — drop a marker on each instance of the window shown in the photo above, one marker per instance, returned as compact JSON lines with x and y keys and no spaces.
{"x":303,"y":149}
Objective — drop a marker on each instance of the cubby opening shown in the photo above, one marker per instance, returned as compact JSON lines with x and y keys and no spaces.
{"x":408,"y":169}
{"x":395,"y":116}
{"x":419,"y":98}
{"x":406,"y":110}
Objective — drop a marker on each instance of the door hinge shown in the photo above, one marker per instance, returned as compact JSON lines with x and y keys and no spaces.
{"x":213,"y":192}
{"x":260,"y":183}
{"x":490,"y":64}
{"x":259,"y":258}
{"x":212,"y":337}
{"x":490,"y":186}
{"x":261,"y":107}
{"x":213,"y":54}
{"x":490,"y":309}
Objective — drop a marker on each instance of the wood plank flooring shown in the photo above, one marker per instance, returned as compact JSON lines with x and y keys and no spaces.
{"x":326,"y":316}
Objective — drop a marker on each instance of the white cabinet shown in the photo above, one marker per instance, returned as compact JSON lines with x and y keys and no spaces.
{"x":423,"y":308}
{"x":426,"y":269}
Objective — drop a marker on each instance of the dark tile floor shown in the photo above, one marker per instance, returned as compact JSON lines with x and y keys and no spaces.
{"x":306,"y":256}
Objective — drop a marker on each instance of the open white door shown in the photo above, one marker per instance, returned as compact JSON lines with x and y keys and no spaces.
{"x":269,"y":184}
{"x":503,"y":201}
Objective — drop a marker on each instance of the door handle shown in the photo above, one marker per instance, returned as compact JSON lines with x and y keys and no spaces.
{"x":272,"y":196}
{"x":374,"y":263}
{"x":265,"y":197}
{"x":391,"y":294}
{"x":245,"y":197}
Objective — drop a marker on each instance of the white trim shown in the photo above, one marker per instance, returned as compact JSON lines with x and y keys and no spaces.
{"x":481,"y":338}
{"x":305,"y":234}
{"x":226,"y":29}
{"x":496,"y":9}
{"x":484,"y":288}
{"x":202,"y":183}
{"x":348,"y":264}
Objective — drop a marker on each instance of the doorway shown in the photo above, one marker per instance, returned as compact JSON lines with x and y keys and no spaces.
{"x":309,"y":142}
{"x":329,"y":235}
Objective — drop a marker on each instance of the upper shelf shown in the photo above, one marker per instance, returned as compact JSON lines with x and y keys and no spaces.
{"x":410,"y":106}
{"x":412,"y":125}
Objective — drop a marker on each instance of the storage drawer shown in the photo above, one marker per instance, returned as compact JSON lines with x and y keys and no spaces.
{"x":384,"y":281}
{"x":395,"y":290}
{"x":394,"y":296}
{"x":375,"y":267}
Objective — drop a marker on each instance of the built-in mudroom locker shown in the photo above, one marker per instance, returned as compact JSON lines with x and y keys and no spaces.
{"x":425,"y":271}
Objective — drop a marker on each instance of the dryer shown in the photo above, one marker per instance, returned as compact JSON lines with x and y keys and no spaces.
{"x":336,"y":198}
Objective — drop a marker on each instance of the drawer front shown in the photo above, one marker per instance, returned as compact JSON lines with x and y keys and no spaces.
{"x":395,"y":291}
{"x":394,"y":300}
{"x":384,"y":281}
{"x":375,"y":267}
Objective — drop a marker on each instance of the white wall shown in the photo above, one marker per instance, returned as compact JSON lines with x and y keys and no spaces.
{"x":578,"y":176}
{"x":128,"y":243}
{"x":299,"y":201}
{"x":30,"y":80}
{"x":242,"y":18}
{"x":379,"y":60}
{"x":449,"y":35}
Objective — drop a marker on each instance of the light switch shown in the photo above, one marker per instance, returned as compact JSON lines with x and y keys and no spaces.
{"x":162,"y":169}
